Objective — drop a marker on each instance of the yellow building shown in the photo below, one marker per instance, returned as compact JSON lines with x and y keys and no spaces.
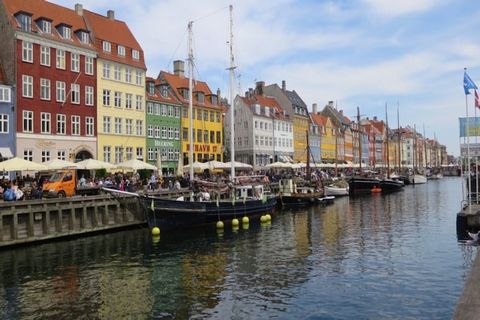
{"x":327,"y":139}
{"x":207,"y":116}
{"x":120,"y":90}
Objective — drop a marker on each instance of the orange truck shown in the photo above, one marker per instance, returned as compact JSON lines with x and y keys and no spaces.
{"x":64,"y":183}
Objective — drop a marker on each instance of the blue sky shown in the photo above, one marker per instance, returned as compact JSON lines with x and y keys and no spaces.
{"x":358,"y":53}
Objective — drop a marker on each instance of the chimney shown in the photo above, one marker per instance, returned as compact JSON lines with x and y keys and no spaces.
{"x":284,"y":85}
{"x":375,"y":118}
{"x":111,"y":15}
{"x":179,"y":68}
{"x":79,"y":9}
{"x":219,"y":96}
{"x":341,"y":112}
{"x":330,"y":104}
{"x":314,"y":108}
{"x":250,"y":92}
{"x":259,"y":88}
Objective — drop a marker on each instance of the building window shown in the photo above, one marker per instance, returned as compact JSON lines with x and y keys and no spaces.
{"x":157,"y":109}
{"x":185,"y":133}
{"x":107,"y":154}
{"x":212,"y":137}
{"x":45,"y":155}
{"x":4,"y":94}
{"x":128,"y":153}
{"x":164,"y":91}
{"x":150,"y":131}
{"x":116,"y":72}
{"x":139,"y":103}
{"x":135,"y":54}
{"x":128,"y":101}
{"x":139,"y":128}
{"x":45,"y":56}
{"x":27,"y":85}
{"x":171,"y":113}
{"x":121,"y":51}
{"x":60,"y":59}
{"x":107,"y":46}
{"x":75,"y":93}
{"x":118,"y":154}
{"x":170,"y":133}
{"x":27,"y":51}
{"x":75,"y":62}
{"x":118,"y":125}
{"x":45,"y":122}
{"x":45,"y":89}
{"x":61,"y":155}
{"x":28,"y":121}
{"x":89,"y":96}
{"x":106,"y":97}
{"x":28,"y":154}
{"x":199,"y":135}
{"x":46,"y":26}
{"x":128,"y":75}
{"x":151,"y":154}
{"x":177,"y":133}
{"x":218,"y":116}
{"x":205,"y":136}
{"x":157,"y":132}
{"x":76,"y":125}
{"x":149,"y":108}
{"x":3,"y":123}
{"x":61,"y":124}
{"x":106,"y":124}
{"x":128,"y":126}
{"x":164,"y":132}
{"x":60,"y":91}
{"x":89,"y":125}
{"x":138,"y":77}
{"x":177,"y":112}
{"x":117,"y":99}
{"x":106,"y":70}
{"x":89,"y":65}
{"x":66,"y":32}
{"x":140,"y":153}
{"x":25,"y":22}
{"x":212,"y":116}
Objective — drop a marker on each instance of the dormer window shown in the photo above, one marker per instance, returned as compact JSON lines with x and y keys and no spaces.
{"x":45,"y":26}
{"x":107,"y":46}
{"x":84,"y":37}
{"x":25,"y":21}
{"x":151,"y":88}
{"x":185,"y":94}
{"x":214,"y":99}
{"x":164,"y":91}
{"x":201,"y":97}
{"x":135,"y":54}
{"x":121,"y":51}
{"x":65,"y":32}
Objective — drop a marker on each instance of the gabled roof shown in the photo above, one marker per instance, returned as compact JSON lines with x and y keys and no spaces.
{"x":295,"y":99}
{"x":319,"y":119}
{"x":43,"y":9}
{"x":177,"y":83}
{"x":265,"y":101}
{"x":117,"y":33}
{"x":157,"y":95}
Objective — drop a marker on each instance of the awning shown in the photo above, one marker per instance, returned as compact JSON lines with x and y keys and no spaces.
{"x":289,"y":159}
{"x":6,"y":153}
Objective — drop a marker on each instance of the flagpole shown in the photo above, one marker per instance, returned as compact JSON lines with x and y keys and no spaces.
{"x":476,"y":156}
{"x":469,"y":187}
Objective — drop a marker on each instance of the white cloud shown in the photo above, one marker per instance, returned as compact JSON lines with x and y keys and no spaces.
{"x":391,"y":8}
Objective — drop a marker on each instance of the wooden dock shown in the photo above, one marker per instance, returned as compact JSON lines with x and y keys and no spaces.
{"x":24,"y":222}
{"x":468,"y":307}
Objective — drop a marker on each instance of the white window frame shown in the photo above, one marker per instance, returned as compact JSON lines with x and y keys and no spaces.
{"x":89,"y":96}
{"x":128,"y":75}
{"x":106,"y":70}
{"x":60,"y":59}
{"x":62,"y":155}
{"x":45,"y":56}
{"x":60,"y":91}
{"x":135,"y":54}
{"x":27,"y":121}
{"x":46,"y":26}
{"x":107,"y":124}
{"x":139,"y":127}
{"x":27,"y":51}
{"x":5,"y":95}
{"x":75,"y":93}
{"x":45,"y":155}
{"x":89,"y":126}
{"x":61,"y":124}
{"x":139,"y":103}
{"x":28,"y":154}
{"x":138,"y":77}
{"x":89,"y":65}
{"x":107,"y":46}
{"x":121,"y":51}
{"x":76,"y":126}
{"x":118,"y":125}
{"x":75,"y":62}
{"x":117,"y":75}
{"x":45,"y":122}
{"x":128,"y":101}
{"x":128,"y":126}
{"x":4,"y":118}
{"x":45,"y":89}
{"x":27,"y":86}
{"x":66,"y":33}
{"x":117,"y":99}
{"x":107,"y":153}
{"x":106,"y":97}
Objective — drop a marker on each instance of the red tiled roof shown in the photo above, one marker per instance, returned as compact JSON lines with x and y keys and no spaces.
{"x":157,"y":96}
{"x":178,"y":82}
{"x":43,"y":9}
{"x":319,"y":119}
{"x":265,"y":101}
{"x":117,"y":33}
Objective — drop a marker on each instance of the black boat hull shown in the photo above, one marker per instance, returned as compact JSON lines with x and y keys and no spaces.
{"x":389,"y":186}
{"x":301,"y":199}
{"x":360,"y":185}
{"x":170,"y":214}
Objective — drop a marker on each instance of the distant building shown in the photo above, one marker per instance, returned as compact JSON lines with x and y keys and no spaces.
{"x":7,"y":119}
{"x":163,"y":122}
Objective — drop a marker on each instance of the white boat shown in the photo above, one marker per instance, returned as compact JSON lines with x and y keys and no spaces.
{"x":418,"y":179}
{"x":332,"y":190}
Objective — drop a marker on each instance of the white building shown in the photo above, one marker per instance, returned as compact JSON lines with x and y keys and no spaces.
{"x":263,"y":133}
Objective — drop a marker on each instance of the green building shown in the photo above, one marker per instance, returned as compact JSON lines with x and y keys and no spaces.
{"x":163,"y":116}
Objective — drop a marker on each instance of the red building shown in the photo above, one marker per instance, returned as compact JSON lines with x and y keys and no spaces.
{"x":52,"y":60}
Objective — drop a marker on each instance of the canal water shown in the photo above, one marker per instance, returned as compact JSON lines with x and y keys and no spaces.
{"x":376,"y":257}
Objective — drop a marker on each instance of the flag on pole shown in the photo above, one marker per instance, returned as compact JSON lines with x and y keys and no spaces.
{"x":468,"y":84}
{"x":477,"y":100}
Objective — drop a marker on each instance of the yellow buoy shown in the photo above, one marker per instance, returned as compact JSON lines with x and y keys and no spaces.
{"x":155,"y":239}
{"x":269,"y":217}
{"x":235,"y":222}
{"x":245,"y":220}
{"x":155,"y":231}
{"x":263,"y":219}
{"x":245,"y":226}
{"x":219,"y":225}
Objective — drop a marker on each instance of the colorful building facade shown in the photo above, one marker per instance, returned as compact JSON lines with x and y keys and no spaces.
{"x":163,"y":120}
{"x":7,"y":119}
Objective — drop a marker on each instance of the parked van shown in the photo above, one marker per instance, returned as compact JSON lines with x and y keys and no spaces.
{"x":64,"y":183}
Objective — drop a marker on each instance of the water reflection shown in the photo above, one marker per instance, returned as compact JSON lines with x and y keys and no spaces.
{"x":374,"y":252}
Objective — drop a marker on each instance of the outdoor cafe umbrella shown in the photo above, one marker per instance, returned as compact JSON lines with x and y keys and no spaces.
{"x":214,"y":164}
{"x":18,"y":164}
{"x":197,"y":166}
{"x":279,"y":165}
{"x":239,"y":165}
{"x":60,"y":164}
{"x":135,"y":164}
{"x":92,"y":164}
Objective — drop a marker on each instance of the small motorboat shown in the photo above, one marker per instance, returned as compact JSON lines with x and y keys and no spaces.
{"x":332,"y":190}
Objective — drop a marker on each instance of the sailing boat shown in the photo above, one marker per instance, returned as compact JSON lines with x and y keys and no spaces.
{"x":200,"y":207}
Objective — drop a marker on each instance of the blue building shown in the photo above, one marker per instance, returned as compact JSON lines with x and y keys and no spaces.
{"x":7,"y":119}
